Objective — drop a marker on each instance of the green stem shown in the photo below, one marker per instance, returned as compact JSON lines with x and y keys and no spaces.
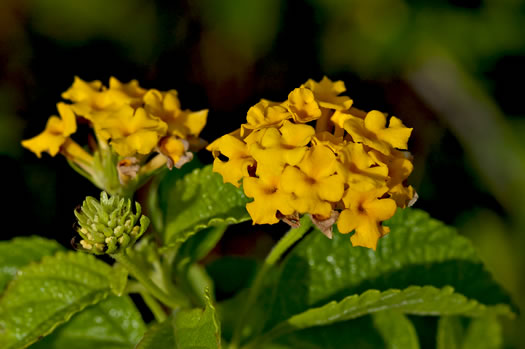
{"x":291,"y":237}
{"x":154,"y":306}
{"x":148,"y":284}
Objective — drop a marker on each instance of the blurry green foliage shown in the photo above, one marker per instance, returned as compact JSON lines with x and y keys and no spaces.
{"x":251,"y":25}
{"x":381,"y":37}
{"x":130,"y":24}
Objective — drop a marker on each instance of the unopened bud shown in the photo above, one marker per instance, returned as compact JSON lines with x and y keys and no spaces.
{"x":109,"y":226}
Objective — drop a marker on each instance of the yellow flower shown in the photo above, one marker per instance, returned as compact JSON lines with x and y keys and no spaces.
{"x":347,"y":168}
{"x":399,"y":167}
{"x":269,"y":199}
{"x":74,"y":152}
{"x":327,"y":93}
{"x":314,"y":182}
{"x":166,"y":105}
{"x":82,"y":91}
{"x":131,"y":131}
{"x":335,"y":143}
{"x":364,"y":213}
{"x":237,"y":161}
{"x":56,"y":133}
{"x":373,"y":132}
{"x":265,"y":113}
{"x":175,"y":150}
{"x":303,"y":106}
{"x":357,"y":166}
{"x":125,"y":93}
{"x":93,"y":101}
{"x":277,"y":147}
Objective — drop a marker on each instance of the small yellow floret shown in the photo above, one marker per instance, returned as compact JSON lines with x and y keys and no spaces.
{"x":327,"y":93}
{"x":235,"y":167}
{"x":373,"y":132}
{"x":364,"y":213}
{"x":314,"y":182}
{"x":132,"y":131}
{"x":265,"y":113}
{"x":57,"y":131}
{"x":303,"y":105}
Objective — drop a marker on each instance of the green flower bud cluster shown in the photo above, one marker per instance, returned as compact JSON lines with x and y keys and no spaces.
{"x":109,"y":225}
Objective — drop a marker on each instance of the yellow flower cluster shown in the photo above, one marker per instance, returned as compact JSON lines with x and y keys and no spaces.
{"x":130,"y":120}
{"x":349,"y":167}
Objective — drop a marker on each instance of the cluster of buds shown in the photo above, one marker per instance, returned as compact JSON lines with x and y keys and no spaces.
{"x":316,"y":154}
{"x":131,"y":125}
{"x":109,"y":226}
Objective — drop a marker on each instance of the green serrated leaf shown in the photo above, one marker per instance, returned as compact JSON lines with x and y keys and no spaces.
{"x":197,"y":328}
{"x":199,"y":245}
{"x":418,"y":251}
{"x":118,"y":279}
{"x":198,"y":200}
{"x":200,"y":283}
{"x":114,"y":323}
{"x":160,"y":335}
{"x":367,"y":332}
{"x":20,"y":251}
{"x":186,"y":329}
{"x":478,"y":333}
{"x":416,"y":300}
{"x":46,"y":294}
{"x":158,"y":197}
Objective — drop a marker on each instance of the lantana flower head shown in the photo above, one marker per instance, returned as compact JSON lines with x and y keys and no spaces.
{"x":137,"y":131}
{"x":316,"y":154}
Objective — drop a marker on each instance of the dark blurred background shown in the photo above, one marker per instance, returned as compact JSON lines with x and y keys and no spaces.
{"x":451,"y":69}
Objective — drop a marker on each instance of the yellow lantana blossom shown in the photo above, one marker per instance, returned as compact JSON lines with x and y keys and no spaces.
{"x":399,"y":167}
{"x":132,"y":131}
{"x":237,"y":161}
{"x":373,"y":132}
{"x":130,"y":123}
{"x":314,"y":182}
{"x":317,"y":154}
{"x":269,"y":199}
{"x":176,"y":150}
{"x":303,"y":105}
{"x":57,"y":131}
{"x":166,"y":106}
{"x":278,"y":147}
{"x":264,"y":113}
{"x":327,"y":93}
{"x":364,"y":213}
{"x":356,"y":166}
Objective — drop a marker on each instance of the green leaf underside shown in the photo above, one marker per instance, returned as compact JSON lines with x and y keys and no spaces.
{"x":418,"y":251}
{"x":114,"y":323}
{"x":481,"y":333}
{"x":198,"y":200}
{"x":159,"y":336}
{"x":385,"y":329}
{"x":197,"y":328}
{"x":46,"y":294}
{"x":199,"y":245}
{"x":19,"y":252}
{"x":158,"y":195}
{"x":186,"y":329}
{"x":414,"y":300}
